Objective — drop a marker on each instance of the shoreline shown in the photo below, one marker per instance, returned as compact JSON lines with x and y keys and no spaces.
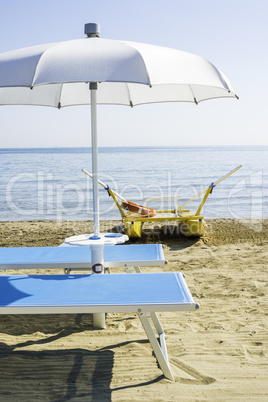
{"x":217,"y":353}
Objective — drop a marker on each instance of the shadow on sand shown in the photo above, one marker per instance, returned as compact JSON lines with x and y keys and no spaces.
{"x":162,"y":233}
{"x":55,"y":375}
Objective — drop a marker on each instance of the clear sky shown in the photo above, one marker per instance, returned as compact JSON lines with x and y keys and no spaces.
{"x":232,"y":34}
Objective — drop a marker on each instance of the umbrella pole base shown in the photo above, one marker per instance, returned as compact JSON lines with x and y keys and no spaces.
{"x":97,"y":268}
{"x":99,"y":320}
{"x":88,"y":239}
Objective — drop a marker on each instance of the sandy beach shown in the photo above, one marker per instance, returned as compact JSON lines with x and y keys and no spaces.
{"x":218,"y":353}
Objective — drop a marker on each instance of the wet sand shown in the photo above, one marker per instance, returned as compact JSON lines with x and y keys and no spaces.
{"x":218,"y":353}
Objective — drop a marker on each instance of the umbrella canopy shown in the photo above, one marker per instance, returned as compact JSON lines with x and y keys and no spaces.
{"x":125,"y":73}
{"x":129,"y":73}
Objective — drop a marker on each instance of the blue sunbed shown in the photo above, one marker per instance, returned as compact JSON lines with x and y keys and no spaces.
{"x":80,"y":257}
{"x":144,"y":294}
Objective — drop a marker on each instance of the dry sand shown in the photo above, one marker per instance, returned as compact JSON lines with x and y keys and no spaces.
{"x":218,"y":353}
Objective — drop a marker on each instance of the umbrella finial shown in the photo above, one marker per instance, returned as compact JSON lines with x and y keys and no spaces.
{"x":92,"y":30}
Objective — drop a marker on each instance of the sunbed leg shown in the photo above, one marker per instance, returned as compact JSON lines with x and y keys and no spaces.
{"x":161,"y":333}
{"x":138,"y":270}
{"x":159,"y":351}
{"x":129,"y":270}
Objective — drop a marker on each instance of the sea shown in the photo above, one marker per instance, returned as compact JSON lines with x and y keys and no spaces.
{"x":48,"y":184}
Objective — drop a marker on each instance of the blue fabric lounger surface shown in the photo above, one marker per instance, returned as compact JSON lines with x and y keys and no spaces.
{"x":80,"y":257}
{"x":144,"y":294}
{"x":94,"y":293}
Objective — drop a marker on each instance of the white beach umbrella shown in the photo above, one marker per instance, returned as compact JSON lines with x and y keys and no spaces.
{"x":103,"y":71}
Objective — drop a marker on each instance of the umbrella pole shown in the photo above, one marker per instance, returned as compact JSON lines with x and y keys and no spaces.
{"x":96,"y":249}
{"x":94,"y":150}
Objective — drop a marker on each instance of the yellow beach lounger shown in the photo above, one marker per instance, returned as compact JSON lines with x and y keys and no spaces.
{"x":135,"y":215}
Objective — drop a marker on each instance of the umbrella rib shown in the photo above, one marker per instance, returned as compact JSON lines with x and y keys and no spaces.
{"x":36,"y":66}
{"x":59,"y":103}
{"x":195,"y":101}
{"x":129,"y":96}
{"x":144,"y":63}
{"x":34,"y":73}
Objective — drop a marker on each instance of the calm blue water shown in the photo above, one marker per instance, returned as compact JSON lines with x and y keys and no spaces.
{"x":48,"y":184}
